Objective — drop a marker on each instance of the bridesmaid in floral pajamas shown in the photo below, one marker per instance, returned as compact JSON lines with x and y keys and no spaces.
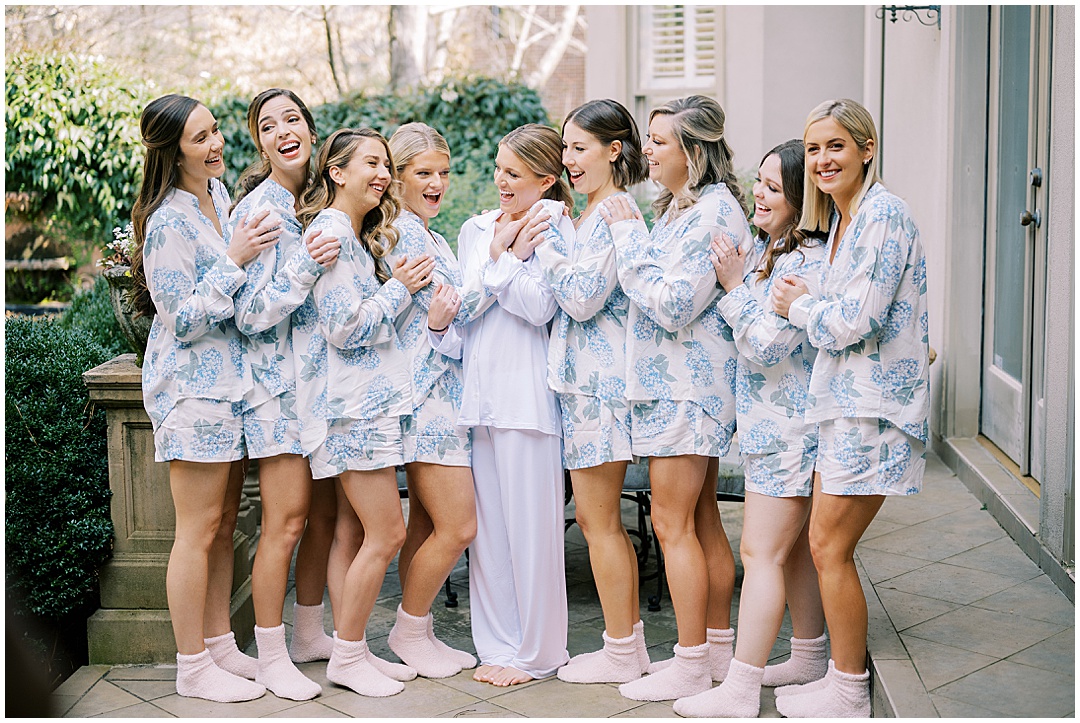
{"x":682,"y":382}
{"x":870,"y":385}
{"x":777,"y":445}
{"x":279,"y":280}
{"x":442,"y":506}
{"x":194,"y":378}
{"x":587,"y":370}
{"x":360,"y":402}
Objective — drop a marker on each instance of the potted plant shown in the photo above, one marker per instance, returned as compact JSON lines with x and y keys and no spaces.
{"x":117,"y":265}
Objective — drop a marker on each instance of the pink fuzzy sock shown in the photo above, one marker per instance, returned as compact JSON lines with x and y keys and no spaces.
{"x":739,"y":696}
{"x":721,"y":651}
{"x":198,"y":676}
{"x":309,"y":639}
{"x":276,"y":671}
{"x":616,"y":662}
{"x":409,"y":641}
{"x":808,"y":662}
{"x":465,"y":660}
{"x":349,"y":667}
{"x":688,"y":674}
{"x":844,"y":696}
{"x":229,"y":658}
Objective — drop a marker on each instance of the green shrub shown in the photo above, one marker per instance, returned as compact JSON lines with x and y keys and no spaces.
{"x":73,"y":141}
{"x":57,"y":526}
{"x":92,"y":311}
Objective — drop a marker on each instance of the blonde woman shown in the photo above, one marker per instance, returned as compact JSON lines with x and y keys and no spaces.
{"x":517,"y":585}
{"x":442,"y":506}
{"x":682,"y":383}
{"x":363,"y":395}
{"x":870,"y":383}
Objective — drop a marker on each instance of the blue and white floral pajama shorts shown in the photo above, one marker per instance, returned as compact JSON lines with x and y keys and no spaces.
{"x":868,"y":456}
{"x":666,"y":428}
{"x":431,"y":433}
{"x":272,"y":428}
{"x":201,"y":430}
{"x":360,"y":445}
{"x":594,"y":431}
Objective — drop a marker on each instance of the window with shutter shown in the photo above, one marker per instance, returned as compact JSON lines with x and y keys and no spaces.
{"x":679,"y":46}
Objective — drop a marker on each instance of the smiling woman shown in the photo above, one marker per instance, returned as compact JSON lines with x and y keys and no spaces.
{"x":194,"y":378}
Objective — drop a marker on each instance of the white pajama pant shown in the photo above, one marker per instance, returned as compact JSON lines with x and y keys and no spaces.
{"x":517,"y":582}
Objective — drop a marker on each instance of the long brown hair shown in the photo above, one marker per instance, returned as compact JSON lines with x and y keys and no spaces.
{"x":698,"y":123}
{"x":377,"y":233}
{"x":161,"y":127}
{"x":792,"y":156}
{"x":540,"y":148}
{"x":260,"y":170}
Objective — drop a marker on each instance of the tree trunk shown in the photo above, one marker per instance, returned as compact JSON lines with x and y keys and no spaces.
{"x":556,"y":49}
{"x":408,"y":45}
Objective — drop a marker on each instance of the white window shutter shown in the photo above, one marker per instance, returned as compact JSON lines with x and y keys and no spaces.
{"x":680,"y":46}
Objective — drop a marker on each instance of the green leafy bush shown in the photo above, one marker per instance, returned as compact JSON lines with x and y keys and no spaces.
{"x":73,"y":140}
{"x":92,"y":311}
{"x":57,"y":525}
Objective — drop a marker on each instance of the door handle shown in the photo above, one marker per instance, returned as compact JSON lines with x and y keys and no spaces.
{"x":1035,"y":177}
{"x":1027,"y":218}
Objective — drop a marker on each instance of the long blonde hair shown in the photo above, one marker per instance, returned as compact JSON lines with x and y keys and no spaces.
{"x":540,"y":148}
{"x":377,"y":233}
{"x":856,"y":120}
{"x":698,"y":124}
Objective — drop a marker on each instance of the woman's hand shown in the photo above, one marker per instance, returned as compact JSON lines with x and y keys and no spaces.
{"x":727,"y":260}
{"x":251,"y":236}
{"x":531,"y":234}
{"x":445,"y":303}
{"x":618,"y":208}
{"x":415,"y":273}
{"x":504,"y":237}
{"x":784,"y":293}
{"x":323,"y":249}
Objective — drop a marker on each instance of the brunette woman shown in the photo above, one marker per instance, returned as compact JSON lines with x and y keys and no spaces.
{"x":279,"y":281}
{"x":194,"y":378}
{"x":778,"y":448}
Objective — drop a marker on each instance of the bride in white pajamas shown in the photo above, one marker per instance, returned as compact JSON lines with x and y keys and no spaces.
{"x":517,"y":584}
{"x":682,"y":382}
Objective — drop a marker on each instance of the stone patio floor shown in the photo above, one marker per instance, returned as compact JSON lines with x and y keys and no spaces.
{"x":962,"y":624}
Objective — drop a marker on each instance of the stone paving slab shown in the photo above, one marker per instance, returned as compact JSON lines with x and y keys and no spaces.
{"x":962,"y":624}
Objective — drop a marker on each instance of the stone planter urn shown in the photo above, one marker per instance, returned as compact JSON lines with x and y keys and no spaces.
{"x":135,"y":328}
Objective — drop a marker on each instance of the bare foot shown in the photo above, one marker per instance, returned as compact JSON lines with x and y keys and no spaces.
{"x":486,"y":673}
{"x":510,"y":676}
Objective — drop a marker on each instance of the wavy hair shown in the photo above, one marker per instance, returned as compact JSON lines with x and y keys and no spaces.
{"x":608,"y":121}
{"x":260,"y":170}
{"x":540,"y":149}
{"x":698,"y":125}
{"x":161,"y":126}
{"x":855,"y":119}
{"x":792,"y":160}
{"x":377,"y":233}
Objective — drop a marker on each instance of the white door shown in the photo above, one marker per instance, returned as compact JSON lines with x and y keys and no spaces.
{"x":1015,"y":304}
